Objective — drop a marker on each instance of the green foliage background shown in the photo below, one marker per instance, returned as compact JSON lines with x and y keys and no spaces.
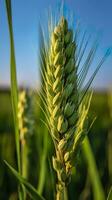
{"x":80,"y":187}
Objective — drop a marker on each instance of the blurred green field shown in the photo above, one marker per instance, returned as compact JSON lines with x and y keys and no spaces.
{"x":101,"y":142}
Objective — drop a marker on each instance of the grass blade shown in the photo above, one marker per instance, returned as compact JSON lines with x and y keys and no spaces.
{"x":110,"y":194}
{"x":30,"y":189}
{"x":43,"y":163}
{"x":13,"y":77}
{"x":14,"y":89}
{"x":93,"y":172}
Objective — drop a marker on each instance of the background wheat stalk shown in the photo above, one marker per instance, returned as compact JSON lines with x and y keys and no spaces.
{"x":26,"y":123}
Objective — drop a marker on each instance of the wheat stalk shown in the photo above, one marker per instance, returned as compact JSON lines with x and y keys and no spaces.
{"x":67,"y":105}
{"x":26,"y":122}
{"x":63,"y":103}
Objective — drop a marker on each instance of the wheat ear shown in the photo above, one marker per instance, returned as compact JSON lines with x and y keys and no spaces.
{"x":25,"y":128}
{"x":62,"y":99}
{"x":67,"y":106}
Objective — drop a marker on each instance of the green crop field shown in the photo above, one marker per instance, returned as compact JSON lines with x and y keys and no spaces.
{"x":99,"y":138}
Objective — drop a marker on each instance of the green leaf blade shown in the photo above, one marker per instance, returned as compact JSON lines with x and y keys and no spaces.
{"x":29,"y":188}
{"x":110,"y":194}
{"x":98,"y":191}
{"x":13,"y":79}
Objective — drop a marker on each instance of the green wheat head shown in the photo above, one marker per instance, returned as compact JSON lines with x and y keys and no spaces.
{"x":66,"y":116}
{"x":25,"y":116}
{"x":66,"y":104}
{"x":26,"y":123}
{"x":62,"y":96}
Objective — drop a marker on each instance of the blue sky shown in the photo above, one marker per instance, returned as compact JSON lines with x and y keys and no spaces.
{"x":95,"y":16}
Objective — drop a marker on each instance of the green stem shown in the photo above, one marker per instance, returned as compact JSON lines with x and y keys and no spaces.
{"x":98,"y":192}
{"x":24,"y":163}
{"x":24,"y":160}
{"x":65,"y":194}
{"x":60,"y":192}
{"x":43,"y":163}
